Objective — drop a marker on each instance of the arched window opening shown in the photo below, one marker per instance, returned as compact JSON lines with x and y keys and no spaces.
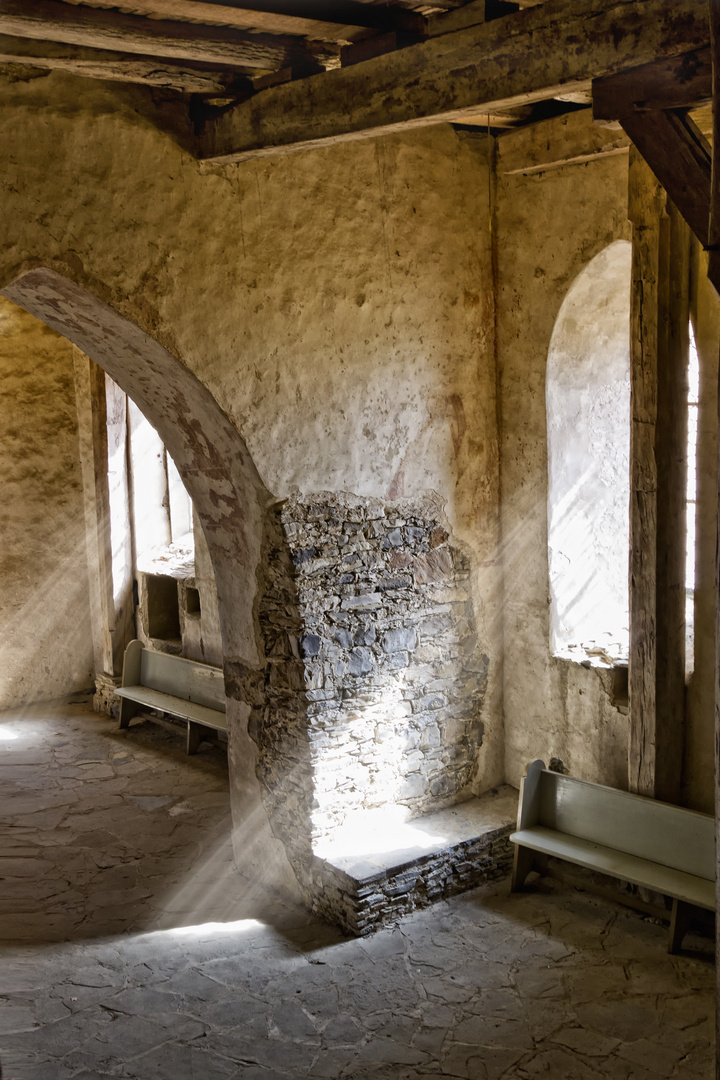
{"x":152,"y":535}
{"x":588,"y":423}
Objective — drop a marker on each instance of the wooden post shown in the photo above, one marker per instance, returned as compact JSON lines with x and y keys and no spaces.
{"x":714,"y":230}
{"x":714,"y":276}
{"x":658,"y":466}
{"x":93,"y":443}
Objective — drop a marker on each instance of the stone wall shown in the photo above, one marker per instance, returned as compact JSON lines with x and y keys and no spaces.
{"x":375,"y":676}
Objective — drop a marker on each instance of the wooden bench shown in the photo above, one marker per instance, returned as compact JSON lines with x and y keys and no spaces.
{"x":652,"y":844}
{"x":174,"y":685}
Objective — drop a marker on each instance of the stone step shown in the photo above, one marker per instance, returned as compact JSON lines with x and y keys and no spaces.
{"x":367,"y":880}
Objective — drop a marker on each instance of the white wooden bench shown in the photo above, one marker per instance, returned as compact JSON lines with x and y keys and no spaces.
{"x":174,"y":685}
{"x":661,"y":847}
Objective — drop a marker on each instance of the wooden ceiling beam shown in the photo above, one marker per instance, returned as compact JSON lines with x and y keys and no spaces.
{"x":185,"y":78}
{"x":673,"y":83}
{"x":535,"y":54}
{"x":222,"y":13}
{"x":51,"y":20}
{"x":477,"y":11}
{"x":353,"y":13}
{"x":680,"y":157}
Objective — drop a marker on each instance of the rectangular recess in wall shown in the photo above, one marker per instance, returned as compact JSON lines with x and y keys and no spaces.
{"x":192,"y":601}
{"x":163,"y":608}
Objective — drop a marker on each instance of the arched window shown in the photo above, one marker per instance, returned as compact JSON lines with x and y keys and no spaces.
{"x":588,"y":422}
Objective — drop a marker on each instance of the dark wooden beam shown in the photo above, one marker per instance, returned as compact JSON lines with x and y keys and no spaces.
{"x":674,"y":83}
{"x":679,"y":156}
{"x":376,"y":45}
{"x":658,"y":468}
{"x":714,"y":227}
{"x":222,"y":13}
{"x":50,"y":20}
{"x":339,"y":12}
{"x":477,"y":11}
{"x":552,"y":144}
{"x":532,"y":55}
{"x":187,"y":78}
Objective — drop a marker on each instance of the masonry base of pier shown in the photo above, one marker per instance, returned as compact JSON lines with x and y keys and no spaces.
{"x":364,"y":882}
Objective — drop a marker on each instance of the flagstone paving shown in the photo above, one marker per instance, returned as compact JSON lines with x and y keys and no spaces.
{"x":132,"y":948}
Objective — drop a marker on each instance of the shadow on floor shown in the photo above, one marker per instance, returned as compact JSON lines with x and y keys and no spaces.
{"x":111,"y":832}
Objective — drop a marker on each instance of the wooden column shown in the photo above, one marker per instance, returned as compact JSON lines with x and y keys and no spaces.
{"x":714,"y":276}
{"x":658,"y":466}
{"x":714,"y":229}
{"x":93,"y":442}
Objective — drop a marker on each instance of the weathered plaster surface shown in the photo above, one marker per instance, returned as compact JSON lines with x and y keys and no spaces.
{"x":588,"y":414}
{"x":339,"y":311}
{"x":45,"y":638}
{"x":202,"y":639}
{"x":551,"y":225}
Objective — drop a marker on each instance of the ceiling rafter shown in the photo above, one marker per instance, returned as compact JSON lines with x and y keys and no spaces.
{"x":183,"y":77}
{"x":221,"y":13}
{"x":51,"y":20}
{"x":535,"y":54}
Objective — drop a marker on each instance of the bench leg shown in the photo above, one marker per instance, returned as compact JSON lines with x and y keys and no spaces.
{"x":128,"y":709}
{"x":680,"y":919}
{"x":526,"y":860}
{"x":523,"y":863}
{"x":194,"y":736}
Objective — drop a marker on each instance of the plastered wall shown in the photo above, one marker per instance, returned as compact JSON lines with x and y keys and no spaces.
{"x":338,"y":306}
{"x":550,"y":225}
{"x":45,"y":638}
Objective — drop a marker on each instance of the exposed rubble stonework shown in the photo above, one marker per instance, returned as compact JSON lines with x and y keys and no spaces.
{"x":363,"y":904}
{"x":375,"y":679}
{"x":105,"y":700}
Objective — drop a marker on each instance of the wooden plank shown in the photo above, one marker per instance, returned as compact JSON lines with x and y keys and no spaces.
{"x":680,"y":158}
{"x":219,"y":13}
{"x":532,"y":55}
{"x":344,"y":15}
{"x":183,"y":678}
{"x":186,"y":78}
{"x":647,"y":828}
{"x":50,"y":20}
{"x":673,"y":83}
{"x":130,"y":675}
{"x":551,"y":144}
{"x":169,"y":703}
{"x":618,"y":864}
{"x":658,"y":362}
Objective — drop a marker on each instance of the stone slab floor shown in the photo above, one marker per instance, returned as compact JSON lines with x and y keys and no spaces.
{"x":132,"y":949}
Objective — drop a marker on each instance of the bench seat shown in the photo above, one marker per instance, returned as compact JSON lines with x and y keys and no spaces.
{"x":175,"y":685}
{"x":168,"y":703}
{"x":618,"y":864}
{"x":658,"y":846}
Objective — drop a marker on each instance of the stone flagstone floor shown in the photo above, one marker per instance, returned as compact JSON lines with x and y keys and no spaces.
{"x":132,"y":949}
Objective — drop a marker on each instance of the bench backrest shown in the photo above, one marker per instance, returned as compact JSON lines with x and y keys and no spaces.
{"x":186,"y":679}
{"x":665,"y":834}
